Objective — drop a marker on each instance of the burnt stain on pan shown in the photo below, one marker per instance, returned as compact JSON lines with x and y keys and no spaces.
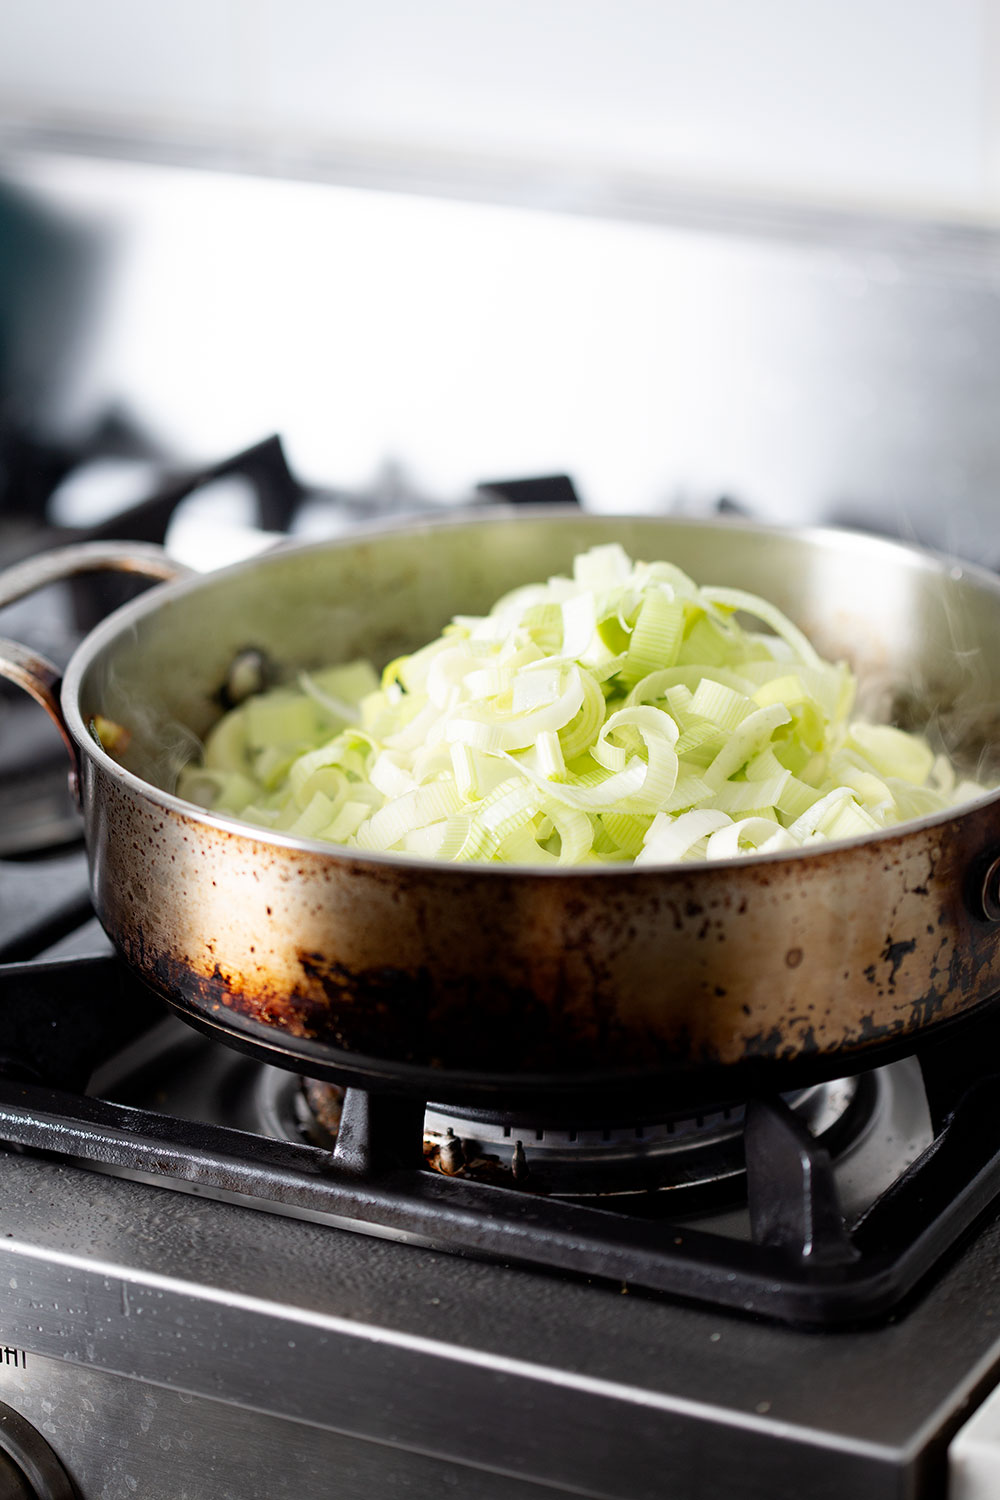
{"x":472,"y":1020}
{"x":411,"y":1019}
{"x":771,"y":1044}
{"x":295,"y":1014}
{"x":894,"y":953}
{"x":374,"y":1008}
{"x":924,"y":1011}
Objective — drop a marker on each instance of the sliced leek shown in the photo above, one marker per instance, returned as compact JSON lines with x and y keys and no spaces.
{"x":622,"y":715}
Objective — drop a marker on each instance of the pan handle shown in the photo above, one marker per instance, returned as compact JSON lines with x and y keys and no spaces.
{"x":35,"y":572}
{"x":37,"y":675}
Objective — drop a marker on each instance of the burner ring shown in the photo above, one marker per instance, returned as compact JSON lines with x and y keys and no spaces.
{"x":681,"y":1152}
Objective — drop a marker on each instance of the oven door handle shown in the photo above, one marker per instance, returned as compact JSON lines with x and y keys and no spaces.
{"x":34,"y":672}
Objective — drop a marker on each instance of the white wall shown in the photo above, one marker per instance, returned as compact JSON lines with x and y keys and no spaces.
{"x":888,"y":102}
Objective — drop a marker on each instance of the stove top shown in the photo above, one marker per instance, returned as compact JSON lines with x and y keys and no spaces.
{"x":176,"y":1241}
{"x":270,"y":1281}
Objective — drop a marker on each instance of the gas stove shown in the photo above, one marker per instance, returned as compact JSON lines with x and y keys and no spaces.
{"x":219,"y":1279}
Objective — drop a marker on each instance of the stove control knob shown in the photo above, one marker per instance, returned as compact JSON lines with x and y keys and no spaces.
{"x":29,"y":1470}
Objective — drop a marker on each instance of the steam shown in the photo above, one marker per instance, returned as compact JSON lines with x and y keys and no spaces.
{"x":161,"y":742}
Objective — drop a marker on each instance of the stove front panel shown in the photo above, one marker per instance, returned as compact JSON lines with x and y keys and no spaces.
{"x":279,"y":1344}
{"x":122,"y":1439}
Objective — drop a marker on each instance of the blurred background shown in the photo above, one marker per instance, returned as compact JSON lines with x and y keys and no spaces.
{"x":691,"y":256}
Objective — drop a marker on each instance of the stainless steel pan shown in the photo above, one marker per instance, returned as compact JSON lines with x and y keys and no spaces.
{"x":455,"y":980}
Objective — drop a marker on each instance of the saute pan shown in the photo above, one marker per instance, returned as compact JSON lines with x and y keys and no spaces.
{"x":486,"y":983}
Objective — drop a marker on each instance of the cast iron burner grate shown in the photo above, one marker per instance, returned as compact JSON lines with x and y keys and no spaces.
{"x":802,"y":1264}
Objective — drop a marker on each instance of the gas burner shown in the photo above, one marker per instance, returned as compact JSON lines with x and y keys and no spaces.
{"x":698,"y":1156}
{"x":679,"y":1153}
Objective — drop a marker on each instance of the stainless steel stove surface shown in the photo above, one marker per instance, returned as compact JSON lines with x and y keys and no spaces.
{"x":180,"y":1317}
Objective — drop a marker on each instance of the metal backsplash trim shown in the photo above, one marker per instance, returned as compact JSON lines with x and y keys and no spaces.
{"x":953,"y":247}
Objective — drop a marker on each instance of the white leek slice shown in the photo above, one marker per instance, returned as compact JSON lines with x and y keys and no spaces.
{"x":428,"y":804}
{"x":339,"y":690}
{"x":738,"y":838}
{"x":579,"y":623}
{"x":579,"y":734}
{"x":549,"y":758}
{"x":751,"y":736}
{"x":575,"y":830}
{"x":627,"y":830}
{"x":744,"y":796}
{"x":893,"y":752}
{"x":226,"y":747}
{"x":347,"y":822}
{"x":670,"y":839}
{"x":605,"y":567}
{"x":314,"y":818}
{"x":535,"y":690}
{"x":823,"y":808}
{"x":388,"y":776}
{"x":517,"y":732}
{"x":280,"y":719}
{"x":656,"y":637}
{"x":771,"y":615}
{"x":721,"y":705}
{"x":592,"y":795}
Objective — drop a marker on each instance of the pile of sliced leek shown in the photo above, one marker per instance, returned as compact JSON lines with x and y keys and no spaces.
{"x":623,"y":715}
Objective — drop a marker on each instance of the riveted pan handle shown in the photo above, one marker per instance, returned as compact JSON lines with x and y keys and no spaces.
{"x":38,"y":676}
